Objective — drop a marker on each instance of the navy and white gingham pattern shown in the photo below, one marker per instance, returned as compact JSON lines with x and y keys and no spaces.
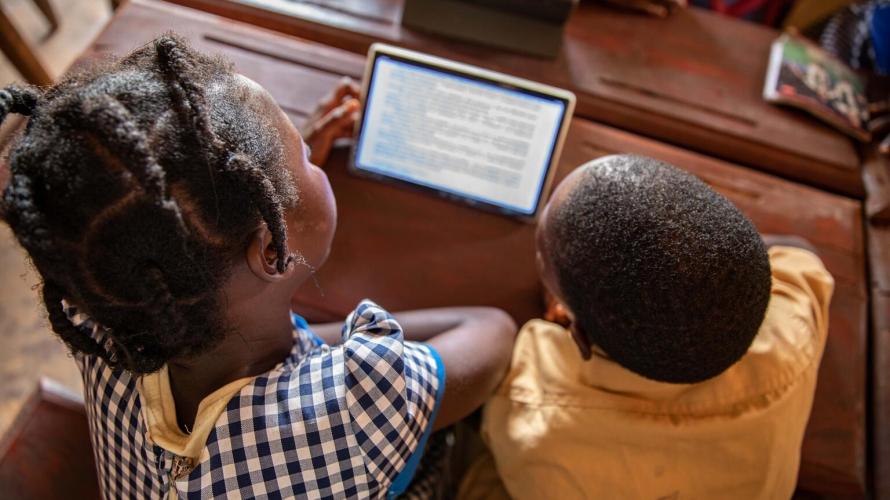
{"x":329,"y":422}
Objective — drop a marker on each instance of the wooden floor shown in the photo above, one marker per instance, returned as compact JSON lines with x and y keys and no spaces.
{"x":29,"y":350}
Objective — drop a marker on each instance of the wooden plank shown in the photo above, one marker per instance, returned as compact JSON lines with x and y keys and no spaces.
{"x":694,"y":79}
{"x":20,"y":53}
{"x":47,"y":453}
{"x":407,"y":249}
{"x":876,"y":177}
{"x":49,"y":13}
{"x":880,"y":413}
{"x":879,"y":260}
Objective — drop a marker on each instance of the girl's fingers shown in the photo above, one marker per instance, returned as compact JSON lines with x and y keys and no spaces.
{"x":343,"y":132}
{"x":346,"y":89}
{"x":336,"y":124}
{"x":347,"y":131}
{"x":342,"y":116}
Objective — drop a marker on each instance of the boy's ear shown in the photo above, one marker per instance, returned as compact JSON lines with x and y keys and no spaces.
{"x":262,"y":259}
{"x":582,"y":341}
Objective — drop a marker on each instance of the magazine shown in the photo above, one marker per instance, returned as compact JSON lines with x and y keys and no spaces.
{"x":803,"y":75}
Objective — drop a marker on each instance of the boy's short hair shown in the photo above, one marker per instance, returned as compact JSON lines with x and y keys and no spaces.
{"x":662,"y":273}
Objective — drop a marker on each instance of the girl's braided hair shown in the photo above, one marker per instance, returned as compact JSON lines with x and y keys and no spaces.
{"x":133,"y":187}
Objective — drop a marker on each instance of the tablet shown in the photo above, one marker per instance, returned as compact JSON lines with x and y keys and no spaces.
{"x":480,"y":137}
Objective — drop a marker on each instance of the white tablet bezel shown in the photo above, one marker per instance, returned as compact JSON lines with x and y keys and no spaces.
{"x":466,"y":70}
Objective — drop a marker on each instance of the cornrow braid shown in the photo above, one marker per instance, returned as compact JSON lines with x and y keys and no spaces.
{"x":144,"y":350}
{"x":177,"y":67}
{"x":19,"y":210}
{"x":78,"y":337}
{"x":162,"y":301}
{"x":22,"y":101}
{"x":16,"y":99}
{"x":262,"y":190}
{"x":112,"y":124}
{"x":105,"y":198}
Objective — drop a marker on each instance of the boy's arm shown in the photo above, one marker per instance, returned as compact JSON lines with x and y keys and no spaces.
{"x":475,"y":344}
{"x":329,"y":333}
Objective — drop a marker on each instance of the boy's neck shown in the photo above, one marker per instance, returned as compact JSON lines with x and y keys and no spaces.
{"x":255,"y":347}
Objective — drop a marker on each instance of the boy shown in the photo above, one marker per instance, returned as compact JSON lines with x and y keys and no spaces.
{"x":699,"y":348}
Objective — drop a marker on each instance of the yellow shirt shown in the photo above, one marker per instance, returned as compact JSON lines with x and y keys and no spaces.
{"x":562,"y":428}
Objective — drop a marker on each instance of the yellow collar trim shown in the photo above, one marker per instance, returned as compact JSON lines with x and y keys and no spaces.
{"x":159,"y":411}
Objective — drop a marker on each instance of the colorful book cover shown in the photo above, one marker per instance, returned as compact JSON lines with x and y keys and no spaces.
{"x":803,"y":75}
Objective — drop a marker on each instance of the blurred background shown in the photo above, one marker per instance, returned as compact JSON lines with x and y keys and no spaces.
{"x":28,"y":351}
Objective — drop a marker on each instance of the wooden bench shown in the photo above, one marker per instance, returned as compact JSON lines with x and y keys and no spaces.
{"x":878,"y":235}
{"x":46,"y":453}
{"x":406,"y":249}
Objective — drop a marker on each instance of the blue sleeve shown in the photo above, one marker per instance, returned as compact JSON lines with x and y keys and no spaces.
{"x":300,"y":323}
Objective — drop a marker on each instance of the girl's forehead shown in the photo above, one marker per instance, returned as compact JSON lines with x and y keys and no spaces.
{"x":256,"y":96}
{"x":249,"y":83}
{"x":254,"y":91}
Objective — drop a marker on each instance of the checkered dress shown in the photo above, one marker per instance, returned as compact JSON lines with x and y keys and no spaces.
{"x":329,"y":422}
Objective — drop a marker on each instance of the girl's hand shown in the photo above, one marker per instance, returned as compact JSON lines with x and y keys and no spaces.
{"x":334,"y":118}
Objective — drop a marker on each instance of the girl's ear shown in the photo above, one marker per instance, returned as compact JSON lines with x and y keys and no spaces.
{"x":582,"y":341}
{"x":262,"y":259}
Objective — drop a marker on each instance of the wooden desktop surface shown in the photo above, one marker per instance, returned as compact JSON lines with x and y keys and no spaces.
{"x":406,"y":249}
{"x":878,"y":237}
{"x":694,"y":79}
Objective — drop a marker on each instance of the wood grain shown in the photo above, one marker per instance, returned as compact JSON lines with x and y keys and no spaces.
{"x":879,"y":242}
{"x":876,"y":177}
{"x":694,"y":79}
{"x":407,"y":249}
{"x":46,"y":453}
{"x":20,"y":53}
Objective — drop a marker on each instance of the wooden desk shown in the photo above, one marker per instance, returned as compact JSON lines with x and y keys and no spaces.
{"x":694,"y":79}
{"x":878,"y":236}
{"x":406,"y":249}
{"x":46,"y":453}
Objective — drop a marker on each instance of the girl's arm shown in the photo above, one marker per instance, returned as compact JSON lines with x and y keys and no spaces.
{"x":330,"y":333}
{"x":475,"y":344}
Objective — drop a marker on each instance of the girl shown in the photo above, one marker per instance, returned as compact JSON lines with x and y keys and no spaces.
{"x":173,"y":210}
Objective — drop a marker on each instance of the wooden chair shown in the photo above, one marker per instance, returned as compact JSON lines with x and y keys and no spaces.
{"x":46,"y":453}
{"x":20,"y":52}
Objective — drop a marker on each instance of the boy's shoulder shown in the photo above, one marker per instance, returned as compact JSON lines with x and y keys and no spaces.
{"x":545,"y":360}
{"x":547,"y":368}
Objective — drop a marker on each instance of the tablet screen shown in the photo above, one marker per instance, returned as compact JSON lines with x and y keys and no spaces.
{"x":459,"y":134}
